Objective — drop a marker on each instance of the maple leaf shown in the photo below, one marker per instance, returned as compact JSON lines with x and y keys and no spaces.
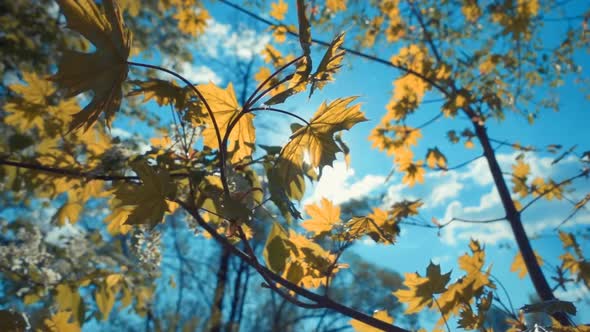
{"x":148,"y":200}
{"x":328,"y":119}
{"x":323,"y":218}
{"x":330,"y":64}
{"x":225,"y":108}
{"x":276,"y":251}
{"x":192,"y":21}
{"x":279,"y":9}
{"x":336,"y":5}
{"x":68,"y":299}
{"x":421,"y":290}
{"x":382,"y":315}
{"x":164,"y":92}
{"x":60,"y":322}
{"x":434,"y":158}
{"x":317,"y":139}
{"x":101,"y":72}
{"x":377,"y":225}
{"x":519,"y":267}
{"x":297,"y":83}
{"x":414,"y":173}
{"x":520,"y":171}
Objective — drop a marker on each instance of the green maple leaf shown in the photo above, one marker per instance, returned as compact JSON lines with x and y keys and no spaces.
{"x":149,"y":200}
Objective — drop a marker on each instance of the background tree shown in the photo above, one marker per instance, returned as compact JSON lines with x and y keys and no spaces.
{"x":206,"y":167}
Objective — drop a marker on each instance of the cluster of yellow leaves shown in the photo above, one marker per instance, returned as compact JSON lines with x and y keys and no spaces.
{"x":520,"y":172}
{"x":399,"y":146}
{"x":336,"y":5}
{"x":516,"y":17}
{"x":191,"y":17}
{"x":550,"y":190}
{"x":409,"y":90}
{"x":575,"y":263}
{"x":382,"y":226}
{"x":298,"y":259}
{"x":456,"y":298}
{"x":101,"y":72}
{"x":471,"y":10}
{"x":317,"y":139}
{"x":396,"y":28}
{"x":33,"y":109}
{"x":38,"y":114}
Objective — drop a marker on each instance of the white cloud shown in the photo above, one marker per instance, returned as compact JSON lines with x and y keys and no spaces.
{"x":220,"y":39}
{"x":573,"y":294}
{"x":198,"y":74}
{"x":119,"y":132}
{"x":339,"y":185}
{"x":448,"y":189}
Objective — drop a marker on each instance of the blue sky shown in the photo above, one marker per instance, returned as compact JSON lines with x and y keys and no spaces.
{"x":467,"y":192}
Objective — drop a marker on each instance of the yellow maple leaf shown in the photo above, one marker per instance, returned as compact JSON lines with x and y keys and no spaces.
{"x":323,"y":217}
{"x":279,"y":9}
{"x":519,"y":267}
{"x":162,"y":91}
{"x":317,"y":139}
{"x":101,"y":72}
{"x":68,"y":299}
{"x":421,"y":290}
{"x":336,"y":5}
{"x":225,"y":108}
{"x":192,"y":21}
{"x":434,"y":158}
{"x":328,"y":119}
{"x":382,"y":315}
{"x":70,"y":211}
{"x":279,"y":33}
{"x":471,"y":10}
{"x":414,"y":172}
{"x":60,"y":322}
{"x":330,"y":64}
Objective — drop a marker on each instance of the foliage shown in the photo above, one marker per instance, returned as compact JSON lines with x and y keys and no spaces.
{"x":210,"y":170}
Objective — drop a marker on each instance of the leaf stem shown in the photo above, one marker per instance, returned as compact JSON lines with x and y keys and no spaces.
{"x":277,"y":110}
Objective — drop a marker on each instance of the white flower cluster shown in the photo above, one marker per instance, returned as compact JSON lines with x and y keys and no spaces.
{"x":147,"y":250}
{"x":27,"y":254}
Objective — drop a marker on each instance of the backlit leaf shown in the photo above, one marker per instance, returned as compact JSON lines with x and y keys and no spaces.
{"x":101,"y":72}
{"x":323,"y":217}
{"x":148,"y":200}
{"x":330,"y":64}
{"x":225,"y":107}
{"x":279,"y":9}
{"x":421,"y":290}
{"x":382,"y":315}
